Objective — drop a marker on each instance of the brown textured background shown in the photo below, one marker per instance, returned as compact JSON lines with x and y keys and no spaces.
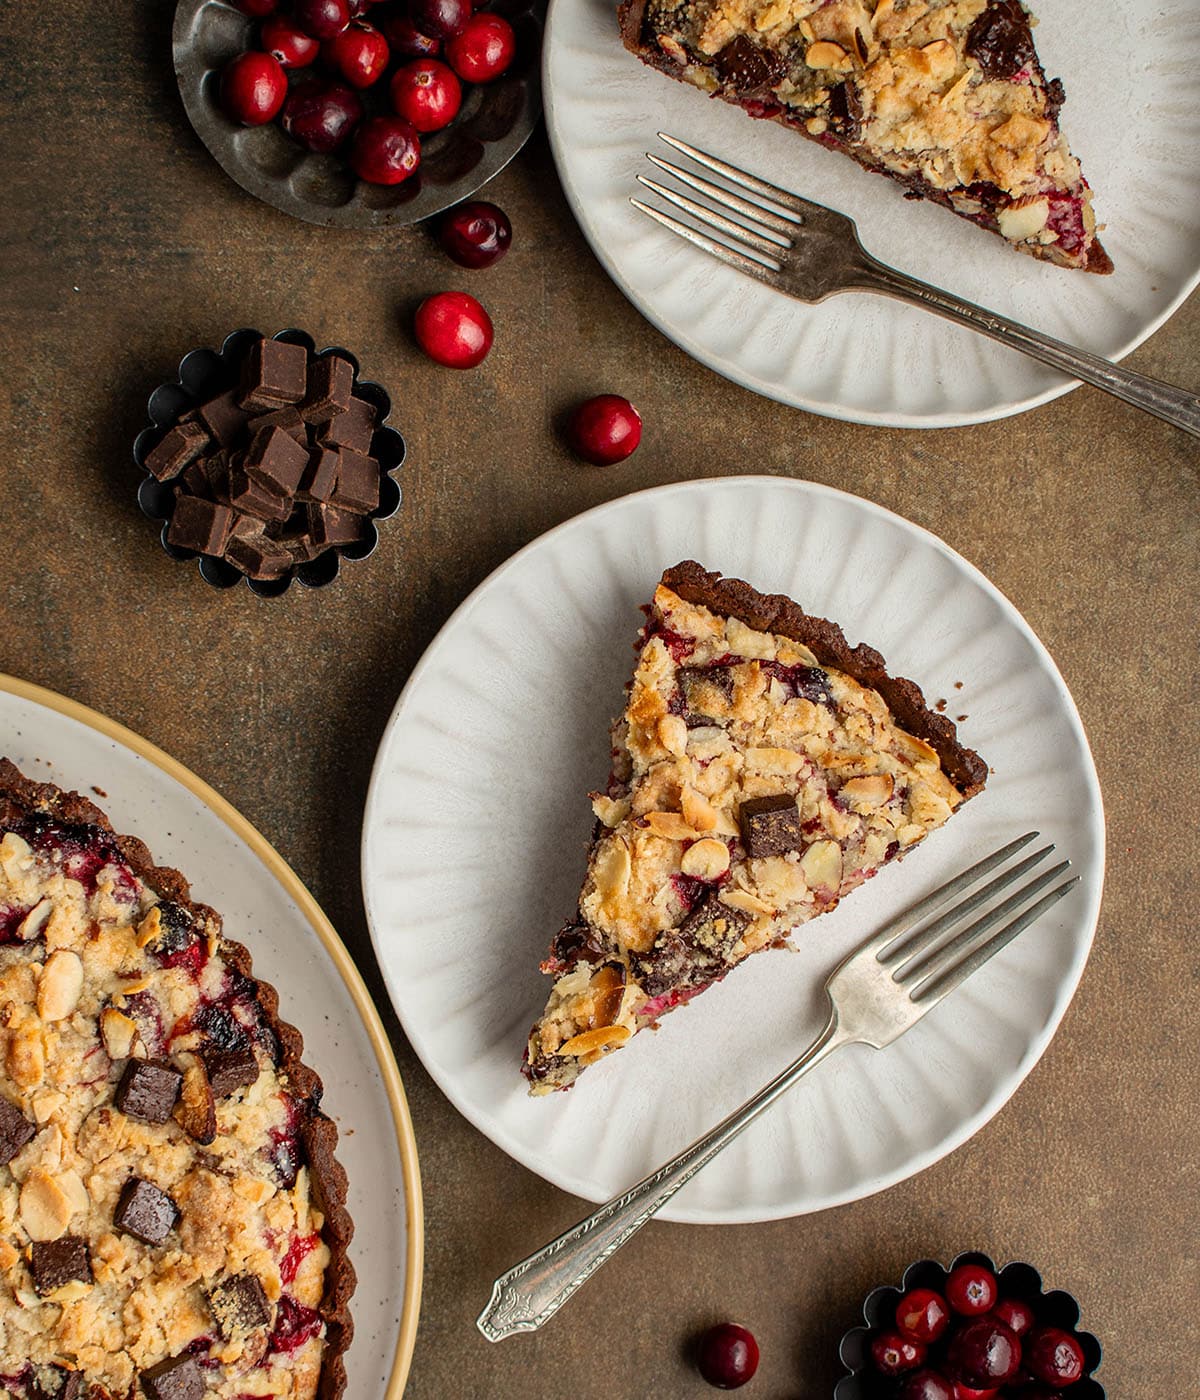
{"x":124,"y":245}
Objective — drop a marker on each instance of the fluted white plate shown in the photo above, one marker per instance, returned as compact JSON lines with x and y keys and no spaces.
{"x":1132,"y":74}
{"x":477,"y":824}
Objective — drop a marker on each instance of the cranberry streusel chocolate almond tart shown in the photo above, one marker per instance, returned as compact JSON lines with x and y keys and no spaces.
{"x":172,"y":1218}
{"x":946,"y":96}
{"x":762,"y":770}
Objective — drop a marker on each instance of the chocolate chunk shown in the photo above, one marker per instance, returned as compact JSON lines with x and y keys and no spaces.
{"x":354,"y":428}
{"x":230,"y":1070}
{"x":330,"y":526}
{"x":357,"y":487}
{"x":330,"y":384}
{"x":286,"y":418}
{"x":55,"y":1383}
{"x":208,"y":478}
{"x":273,"y":375}
{"x":700,"y":949}
{"x":223,"y":418}
{"x":200,"y":525}
{"x":193,"y":481}
{"x":770,"y":826}
{"x":145,"y":1212}
{"x":252,"y":498}
{"x":181,"y":445}
{"x":259,"y":556}
{"x":747,"y":67}
{"x":845,"y":112}
{"x":1001,"y":41}
{"x":58,"y":1262}
{"x":148,"y":1090}
{"x":276,"y":461}
{"x":238,"y":1306}
{"x":320,"y":475}
{"x":177,"y":1378}
{"x":706,"y":692}
{"x":15,"y":1130}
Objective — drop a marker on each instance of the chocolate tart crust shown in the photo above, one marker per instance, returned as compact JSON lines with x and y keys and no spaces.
{"x":21,"y":796}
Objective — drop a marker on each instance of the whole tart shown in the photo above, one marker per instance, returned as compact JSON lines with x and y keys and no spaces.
{"x":762,"y":770}
{"x":172,"y":1218}
{"x":948,"y":97}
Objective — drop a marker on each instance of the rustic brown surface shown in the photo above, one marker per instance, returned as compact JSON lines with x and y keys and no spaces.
{"x":125,"y":244}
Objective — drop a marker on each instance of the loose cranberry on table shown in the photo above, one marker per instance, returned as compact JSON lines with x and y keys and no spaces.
{"x":727,"y":1356}
{"x":440,"y":19}
{"x":1054,"y":1356}
{"x":321,"y":115}
{"x":285,"y":41}
{"x":922,"y":1315}
{"x":971,"y":1290}
{"x":604,"y":430}
{"x":359,"y":54}
{"x":484,"y":49}
{"x":322,"y":18}
{"x":476,"y":234}
{"x":406,"y":40}
{"x":385,"y":150}
{"x":426,"y":93}
{"x":253,"y":87}
{"x":454,"y":330}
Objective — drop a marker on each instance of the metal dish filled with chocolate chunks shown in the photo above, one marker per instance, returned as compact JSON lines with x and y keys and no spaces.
{"x":269,"y":460}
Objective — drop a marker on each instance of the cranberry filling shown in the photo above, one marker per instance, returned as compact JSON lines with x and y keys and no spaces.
{"x":1066,"y":220}
{"x":676,"y":643}
{"x":294,"y":1325}
{"x":85,"y":851}
{"x":298,"y":1251}
{"x":805,"y":682}
{"x":657,"y":1005}
{"x":284,"y":1152}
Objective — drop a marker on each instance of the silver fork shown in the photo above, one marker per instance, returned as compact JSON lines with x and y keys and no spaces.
{"x":877,"y":993}
{"x":810,"y":252}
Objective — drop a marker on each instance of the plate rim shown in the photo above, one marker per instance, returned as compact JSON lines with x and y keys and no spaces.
{"x":746,"y":380}
{"x":296,"y":890}
{"x":1065,"y":992}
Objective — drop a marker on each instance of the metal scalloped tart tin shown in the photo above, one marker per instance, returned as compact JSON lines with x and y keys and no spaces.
{"x":203,"y":374}
{"x":496,"y":120}
{"x":1053,"y":1307}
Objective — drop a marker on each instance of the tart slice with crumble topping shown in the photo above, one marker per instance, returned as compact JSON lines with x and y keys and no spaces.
{"x":173,"y":1221}
{"x":948,"y":97}
{"x":763,"y":769}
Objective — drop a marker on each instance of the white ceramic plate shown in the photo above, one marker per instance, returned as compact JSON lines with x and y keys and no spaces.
{"x":264,"y":905}
{"x":477,"y":824}
{"x":1132,"y":74}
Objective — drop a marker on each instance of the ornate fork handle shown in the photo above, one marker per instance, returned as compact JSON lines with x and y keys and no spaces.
{"x":1165,"y":401}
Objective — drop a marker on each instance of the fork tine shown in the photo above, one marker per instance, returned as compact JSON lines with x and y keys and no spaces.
{"x":738,"y":260}
{"x":747,"y":208}
{"x":784,"y":198}
{"x":702,"y":214}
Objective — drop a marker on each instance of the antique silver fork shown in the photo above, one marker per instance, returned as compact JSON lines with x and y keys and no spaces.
{"x":875,"y":994}
{"x":810,"y":252}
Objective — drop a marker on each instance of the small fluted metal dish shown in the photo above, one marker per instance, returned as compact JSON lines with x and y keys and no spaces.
{"x":496,"y":120}
{"x":1052,"y":1308}
{"x":203,"y":374}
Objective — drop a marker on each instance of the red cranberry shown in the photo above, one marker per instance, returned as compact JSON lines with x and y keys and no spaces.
{"x":483,"y":50}
{"x":321,"y":115}
{"x":253,"y":87}
{"x":1016,"y":1315}
{"x":359,"y":53}
{"x":322,"y":18}
{"x":727,"y":1356}
{"x":894,"y":1354}
{"x":983,"y":1354}
{"x":406,"y":39}
{"x":1054,"y":1356}
{"x":971,"y":1290}
{"x":385,"y":151}
{"x":285,"y":41}
{"x":454,"y":330}
{"x":257,"y":8}
{"x":925,"y":1385}
{"x":476,"y":234}
{"x":922,"y":1315}
{"x":440,"y":19}
{"x":968,"y":1392}
{"x":604,"y":430}
{"x":426,"y":93}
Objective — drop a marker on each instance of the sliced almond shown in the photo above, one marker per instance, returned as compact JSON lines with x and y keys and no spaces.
{"x":612,"y":869}
{"x":118,"y":1032}
{"x":673,"y":734}
{"x":8,"y":1256}
{"x":608,"y":993}
{"x":35,"y":921}
{"x":822,"y":865}
{"x":867,"y":793}
{"x":45,"y":1105}
{"x":44,"y":1208}
{"x":826,"y":54}
{"x":612,"y":811}
{"x":744,"y":640}
{"x":70,"y":1292}
{"x":26,"y":1058}
{"x":196,"y":1110}
{"x":942,"y":58}
{"x":60,"y":985}
{"x":1021,"y":221}
{"x":149,"y":929}
{"x":15,"y":853}
{"x":706,"y":860}
{"x":602,"y":1038}
{"x":698,"y":811}
{"x":747,"y":902}
{"x":75,"y":1192}
{"x":671,"y":826}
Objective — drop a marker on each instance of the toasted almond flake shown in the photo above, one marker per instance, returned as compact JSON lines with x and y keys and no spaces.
{"x":70,"y":1292}
{"x":826,"y":54}
{"x":612,"y":870}
{"x":118,"y":1032}
{"x":35,"y":921}
{"x":747,"y":902}
{"x":1021,"y":221}
{"x":60,"y":985}
{"x":673,"y":734}
{"x":44,"y":1208}
{"x":746,"y":641}
{"x":46,"y":1105}
{"x":821,"y":864}
{"x":671,"y":826}
{"x":8,"y":1256}
{"x":698,"y":811}
{"x":867,"y":793}
{"x":75,"y":1192}
{"x":611,"y":811}
{"x":26,"y":1058}
{"x":706,"y":860}
{"x":150,"y":927}
{"x":603,"y":1037}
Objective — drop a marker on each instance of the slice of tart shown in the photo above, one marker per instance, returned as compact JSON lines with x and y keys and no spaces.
{"x":762,"y":770}
{"x":948,"y":97}
{"x":172,"y":1218}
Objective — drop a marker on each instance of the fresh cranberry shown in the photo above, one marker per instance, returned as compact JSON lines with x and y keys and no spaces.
{"x":427,"y":94}
{"x":925,"y":1385}
{"x":322,"y":18}
{"x":971,"y":1290}
{"x":406,"y":39}
{"x":894,"y":1354}
{"x":440,"y":19}
{"x":359,"y":53}
{"x":454,"y":330}
{"x":1054,"y":1356}
{"x":727,"y":1356}
{"x":257,"y":8}
{"x":983,"y":1354}
{"x":484,"y":49}
{"x":1016,"y":1315}
{"x":321,"y":115}
{"x":922,"y":1315}
{"x":286,"y":42}
{"x":253,"y":87}
{"x":385,"y":150}
{"x":476,"y":234}
{"x":604,"y":430}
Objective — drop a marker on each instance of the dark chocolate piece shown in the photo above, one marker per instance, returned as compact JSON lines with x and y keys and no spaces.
{"x":273,"y":375}
{"x":749,"y":68}
{"x":770,"y":826}
{"x":276,"y":461}
{"x":180,"y":445}
{"x":286,"y":418}
{"x":200,"y":525}
{"x":330,"y":384}
{"x":177,"y":1378}
{"x":58,"y":1262}
{"x":145,"y":1212}
{"x":230,"y":1070}
{"x":252,"y":498}
{"x":15,"y":1130}
{"x":357,"y":486}
{"x":55,"y":1383}
{"x":700,"y":949}
{"x":259,"y":556}
{"x":193,"y":481}
{"x":239,"y":1306}
{"x":706,"y":692}
{"x":148,"y":1090}
{"x":331,"y":526}
{"x":223,"y":418}
{"x":354,"y":428}
{"x":845,"y":112}
{"x":1000,"y":40}
{"x":320,"y":475}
